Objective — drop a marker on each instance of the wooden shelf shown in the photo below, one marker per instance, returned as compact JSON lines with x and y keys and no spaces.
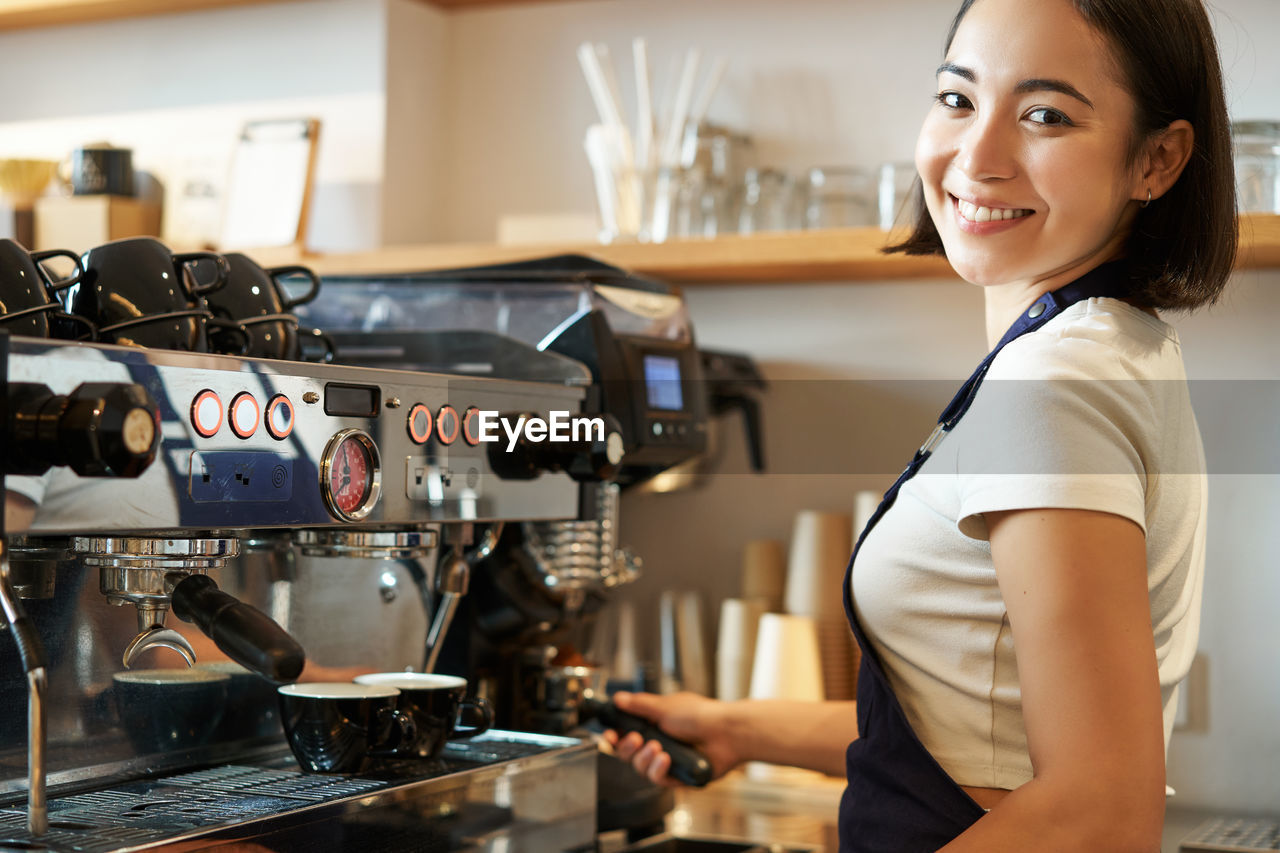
{"x":841,"y":255}
{"x":25,"y":14}
{"x":835,"y":255}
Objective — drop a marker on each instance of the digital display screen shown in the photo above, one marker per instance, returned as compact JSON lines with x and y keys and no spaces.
{"x":351,"y":401}
{"x":662,"y":383}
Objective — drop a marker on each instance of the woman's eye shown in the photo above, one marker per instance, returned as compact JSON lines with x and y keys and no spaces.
{"x":954,"y":101}
{"x":1048,"y":117}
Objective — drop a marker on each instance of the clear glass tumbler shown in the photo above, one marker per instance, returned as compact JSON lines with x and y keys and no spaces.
{"x":768,"y":202}
{"x":1257,"y":160}
{"x":840,"y":197}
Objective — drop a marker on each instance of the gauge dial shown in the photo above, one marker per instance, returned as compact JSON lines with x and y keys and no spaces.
{"x":350,"y":475}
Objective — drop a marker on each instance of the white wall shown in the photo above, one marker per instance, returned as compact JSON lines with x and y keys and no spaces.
{"x":492,"y":105}
{"x":178,"y":88}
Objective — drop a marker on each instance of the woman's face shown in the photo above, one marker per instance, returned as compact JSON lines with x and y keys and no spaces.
{"x":1023,"y":156}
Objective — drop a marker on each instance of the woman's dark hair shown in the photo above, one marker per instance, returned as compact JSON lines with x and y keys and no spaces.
{"x":1183,"y":245}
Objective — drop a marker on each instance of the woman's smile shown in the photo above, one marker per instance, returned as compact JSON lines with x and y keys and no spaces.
{"x":983,"y":218}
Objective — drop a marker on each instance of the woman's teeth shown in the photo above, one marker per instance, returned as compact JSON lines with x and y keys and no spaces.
{"x":973,"y":213}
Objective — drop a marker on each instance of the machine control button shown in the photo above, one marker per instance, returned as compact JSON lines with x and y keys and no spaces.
{"x":657,"y":429}
{"x":419,"y":423}
{"x":246,"y":414}
{"x":470,"y":425}
{"x":392,"y":402}
{"x":447,"y":424}
{"x":206,"y":413}
{"x":310,"y":398}
{"x":279,"y":417}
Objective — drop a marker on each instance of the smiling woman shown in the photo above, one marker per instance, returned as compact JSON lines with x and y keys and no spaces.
{"x":1027,"y":595}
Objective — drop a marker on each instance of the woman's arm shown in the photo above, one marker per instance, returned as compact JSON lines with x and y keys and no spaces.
{"x":812,"y":735}
{"x":1074,"y":583}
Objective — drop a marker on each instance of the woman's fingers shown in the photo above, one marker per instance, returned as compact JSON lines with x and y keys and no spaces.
{"x":629,"y":745}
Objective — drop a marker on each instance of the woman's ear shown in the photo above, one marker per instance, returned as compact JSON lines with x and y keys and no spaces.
{"x":1164,"y":157}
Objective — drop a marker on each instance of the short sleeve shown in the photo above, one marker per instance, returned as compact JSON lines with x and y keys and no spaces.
{"x":1057,"y":441}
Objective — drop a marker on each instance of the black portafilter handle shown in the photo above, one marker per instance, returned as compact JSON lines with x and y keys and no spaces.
{"x":688,"y":765}
{"x":246,"y":634}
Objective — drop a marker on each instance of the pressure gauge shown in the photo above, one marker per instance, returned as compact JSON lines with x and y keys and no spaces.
{"x":350,"y":475}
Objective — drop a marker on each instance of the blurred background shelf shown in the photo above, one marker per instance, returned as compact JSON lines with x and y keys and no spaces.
{"x":22,"y":14}
{"x":838,"y":255}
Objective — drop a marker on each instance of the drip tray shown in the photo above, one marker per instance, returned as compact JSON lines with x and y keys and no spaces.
{"x":145,"y":812}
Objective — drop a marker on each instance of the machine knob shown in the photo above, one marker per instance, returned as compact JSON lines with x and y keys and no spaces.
{"x":597,"y":458}
{"x":101,"y":429}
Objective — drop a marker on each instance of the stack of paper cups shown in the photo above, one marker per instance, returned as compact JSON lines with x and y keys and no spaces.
{"x":736,"y":647}
{"x":786,"y":660}
{"x":820,"y":546}
{"x":691,"y":651}
{"x":764,"y":573}
{"x":864,"y":506}
{"x":786,"y":667}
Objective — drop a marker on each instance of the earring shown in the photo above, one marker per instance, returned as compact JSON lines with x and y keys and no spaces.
{"x":1147,"y":203}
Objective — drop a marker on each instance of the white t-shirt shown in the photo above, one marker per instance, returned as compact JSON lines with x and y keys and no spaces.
{"x":1091,"y":411}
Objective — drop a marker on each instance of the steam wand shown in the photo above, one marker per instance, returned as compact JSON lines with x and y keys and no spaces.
{"x":452,"y":583}
{"x":32,"y":654}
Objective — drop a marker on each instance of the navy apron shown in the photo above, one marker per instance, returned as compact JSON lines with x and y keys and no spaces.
{"x":899,"y":799}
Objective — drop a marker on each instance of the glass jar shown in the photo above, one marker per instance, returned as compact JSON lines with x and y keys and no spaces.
{"x":1257,"y":161}
{"x":840,"y":197}
{"x":768,"y":202}
{"x":894,"y":201}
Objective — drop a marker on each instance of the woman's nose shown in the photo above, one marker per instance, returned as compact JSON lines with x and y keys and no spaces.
{"x":987,"y":152}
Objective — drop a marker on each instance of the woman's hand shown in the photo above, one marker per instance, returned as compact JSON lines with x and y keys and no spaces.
{"x":701,"y":722}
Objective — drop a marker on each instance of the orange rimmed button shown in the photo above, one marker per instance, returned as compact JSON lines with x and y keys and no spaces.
{"x":448,"y":424}
{"x":206,"y":413}
{"x":469,"y":426}
{"x":245,"y":414}
{"x":279,"y":417}
{"x":419,"y":423}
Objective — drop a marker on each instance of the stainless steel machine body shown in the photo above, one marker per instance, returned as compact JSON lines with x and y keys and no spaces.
{"x":320,"y":495}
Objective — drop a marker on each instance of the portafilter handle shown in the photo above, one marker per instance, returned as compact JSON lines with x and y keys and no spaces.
{"x":247,"y":635}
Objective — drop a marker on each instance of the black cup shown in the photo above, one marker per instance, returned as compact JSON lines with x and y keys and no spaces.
{"x":141,"y":294}
{"x":27,"y":288}
{"x":165,"y":710}
{"x":437,"y":704}
{"x":255,"y":299}
{"x":102,"y":170}
{"x":252,"y":711}
{"x":340,"y":727}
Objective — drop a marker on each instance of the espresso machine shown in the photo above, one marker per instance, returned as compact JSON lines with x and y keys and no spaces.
{"x":535,"y":599}
{"x":325,"y":515}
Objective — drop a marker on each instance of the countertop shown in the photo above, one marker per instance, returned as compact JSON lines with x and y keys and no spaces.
{"x":789,"y":806}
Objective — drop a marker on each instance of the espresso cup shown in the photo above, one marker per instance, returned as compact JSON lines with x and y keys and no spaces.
{"x":255,"y":299}
{"x":168,"y":710}
{"x":251,"y":711}
{"x":338,"y":727}
{"x":139,"y":293}
{"x":436,"y":704}
{"x":27,"y":288}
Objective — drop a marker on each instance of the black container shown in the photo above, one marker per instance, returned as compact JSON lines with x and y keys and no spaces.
{"x":166,"y":710}
{"x":102,"y":171}
{"x":340,"y":727}
{"x":28,"y":305}
{"x":436,"y":704}
{"x":255,"y":298}
{"x":139,"y":293}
